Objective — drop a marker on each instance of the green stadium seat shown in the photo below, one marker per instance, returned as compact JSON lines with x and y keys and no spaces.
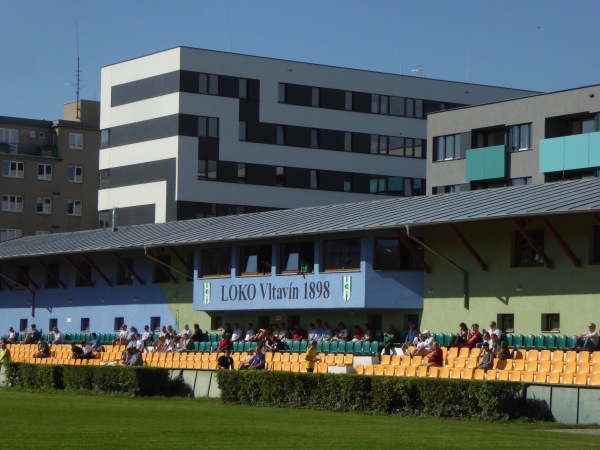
{"x":197,"y":346}
{"x":448,"y":338}
{"x":326,"y":347}
{"x":561,"y":342}
{"x":509,"y":339}
{"x":245,"y":346}
{"x":303,"y":346}
{"x":374,"y":348}
{"x":296,"y":346}
{"x":214,"y":337}
{"x":289,"y":344}
{"x":319,"y":346}
{"x":517,"y":340}
{"x":238,"y":346}
{"x":550,"y":342}
{"x":529,"y":341}
{"x":358,"y":347}
{"x":539,"y":341}
{"x":571,"y":342}
{"x":253,"y":345}
{"x":333,"y":348}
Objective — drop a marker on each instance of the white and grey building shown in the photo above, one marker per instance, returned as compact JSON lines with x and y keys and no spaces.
{"x":190,"y":133}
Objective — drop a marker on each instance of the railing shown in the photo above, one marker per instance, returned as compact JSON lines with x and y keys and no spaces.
{"x":49,"y":151}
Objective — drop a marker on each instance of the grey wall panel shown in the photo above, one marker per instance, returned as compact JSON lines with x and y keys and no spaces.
{"x":143,"y":89}
{"x":144,"y":131}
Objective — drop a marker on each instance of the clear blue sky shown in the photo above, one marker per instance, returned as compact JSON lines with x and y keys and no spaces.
{"x":542,"y":45}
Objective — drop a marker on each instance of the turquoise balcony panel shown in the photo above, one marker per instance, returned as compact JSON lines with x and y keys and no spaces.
{"x":486,"y":163}
{"x":580,"y":151}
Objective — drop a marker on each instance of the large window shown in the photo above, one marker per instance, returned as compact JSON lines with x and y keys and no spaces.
{"x":162,"y":272}
{"x":208,"y":127}
{"x":44,"y":205}
{"x":9,"y":138}
{"x":596,"y":245}
{"x":75,"y":174}
{"x":208,"y":84}
{"x":400,"y":186}
{"x":76,"y":141}
{"x":215,"y":262}
{"x":525,"y":256}
{"x":341,"y":254}
{"x":124,"y":271}
{"x":551,"y":323}
{"x":390,"y":254}
{"x":13,"y":169}
{"x":297,"y":257}
{"x":45,"y":172}
{"x":12,"y":203}
{"x":447,"y":147}
{"x":6,"y":234}
{"x":520,"y":137}
{"x":84,"y":275}
{"x":255,"y":259}
{"x":52,"y":276}
{"x":74,"y":207}
{"x":207,"y":169}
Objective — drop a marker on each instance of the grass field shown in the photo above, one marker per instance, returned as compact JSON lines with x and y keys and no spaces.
{"x":76,"y":420}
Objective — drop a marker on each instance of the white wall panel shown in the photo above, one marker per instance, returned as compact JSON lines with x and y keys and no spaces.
{"x":138,"y":153}
{"x":151,"y":108}
{"x":141,"y":194}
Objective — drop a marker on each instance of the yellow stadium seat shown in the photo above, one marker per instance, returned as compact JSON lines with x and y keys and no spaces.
{"x":323,"y":368}
{"x":502,"y":375}
{"x":460,"y":362}
{"x":471,"y":363}
{"x":422,"y":371}
{"x":339,"y":359}
{"x":360,"y":369}
{"x":330,"y":359}
{"x":433,"y":372}
{"x":531,"y":366}
{"x":532,"y":355}
{"x":570,"y":367}
{"x":416,"y":361}
{"x":410,"y":371}
{"x":464,"y":352}
{"x":385,"y":359}
{"x":545,"y":355}
{"x":581,"y":378}
{"x":479,"y":374}
{"x":295,"y":367}
{"x":295,"y":357}
{"x":276,"y":356}
{"x":558,"y":355}
{"x":528,"y":377}
{"x":388,"y":370}
{"x":467,"y":374}
{"x":379,"y":369}
{"x":443,"y":372}
{"x":455,"y":372}
{"x":286,"y":366}
{"x":518,"y":364}
{"x":544,"y":366}
{"x":595,"y":379}
{"x":276,"y":365}
{"x":584,"y":356}
{"x":557,"y":367}
{"x":396,"y":360}
{"x":405,"y":360}
{"x":595,"y":367}
{"x":540,"y":377}
{"x":286,"y":357}
{"x":515,"y":375}
{"x":302,"y":358}
{"x":595,"y":357}
{"x":571,"y":355}
{"x":583,"y":367}
{"x":520,"y":354}
{"x":349,"y":359}
{"x":399,"y":371}
{"x":475,"y":352}
{"x":370,"y":369}
{"x":566,"y":378}
{"x":450,"y":361}
{"x":452,"y":353}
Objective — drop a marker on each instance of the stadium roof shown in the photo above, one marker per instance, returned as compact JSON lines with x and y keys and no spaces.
{"x":538,"y":200}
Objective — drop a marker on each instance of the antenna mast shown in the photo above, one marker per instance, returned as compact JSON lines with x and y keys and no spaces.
{"x":78,"y":72}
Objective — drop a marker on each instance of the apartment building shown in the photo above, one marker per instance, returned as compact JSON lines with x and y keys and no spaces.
{"x":49,"y":176}
{"x":190,"y":133}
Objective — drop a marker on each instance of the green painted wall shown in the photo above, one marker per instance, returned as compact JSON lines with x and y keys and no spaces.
{"x":527,"y":292}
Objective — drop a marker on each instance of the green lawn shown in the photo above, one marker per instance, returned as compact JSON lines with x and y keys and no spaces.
{"x":73,"y":420}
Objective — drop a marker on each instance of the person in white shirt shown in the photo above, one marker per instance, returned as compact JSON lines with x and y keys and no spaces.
{"x":588,"y":340}
{"x":237,"y":333}
{"x":343,"y":335}
{"x":495,"y":330}
{"x":249,"y":333}
{"x":186,"y":332}
{"x":56,"y":335}
{"x":424,"y":347}
{"x":146,"y":337}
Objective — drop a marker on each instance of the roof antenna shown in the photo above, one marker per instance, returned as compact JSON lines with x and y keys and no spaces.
{"x":77,"y":83}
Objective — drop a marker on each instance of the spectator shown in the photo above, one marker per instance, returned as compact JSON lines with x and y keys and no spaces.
{"x":258,"y":362}
{"x":76,"y":351}
{"x":283,"y":333}
{"x":424,"y":347}
{"x":147,"y":338}
{"x":462,"y":336}
{"x":486,"y":338}
{"x":134,"y":357}
{"x":159,"y":344}
{"x":187,"y":345}
{"x":13,"y":336}
{"x":367,"y":333}
{"x":411,"y":334}
{"x":132,"y":331}
{"x":485,"y":360}
{"x":88,"y":350}
{"x":43,"y":349}
{"x":587,"y":340}
{"x":224,"y":343}
{"x":250,"y":335}
{"x":247,"y":362}
{"x":171,"y":331}
{"x":319,"y":329}
{"x":33,"y":337}
{"x":357,"y":334}
{"x":299,"y":333}
{"x":435,"y":358}
{"x":197,"y":335}
{"x":237,"y":334}
{"x":326,"y":332}
{"x":186,"y":332}
{"x":139,"y":342}
{"x":495,"y":330}
{"x":500,"y":349}
{"x":311,"y":357}
{"x":55,"y":337}
{"x":390,"y":338}
{"x":225,"y":362}
{"x":344,"y":333}
{"x":122,"y":338}
{"x":96,"y":343}
{"x":311,"y":333}
{"x":474,"y":337}
{"x":273,"y":344}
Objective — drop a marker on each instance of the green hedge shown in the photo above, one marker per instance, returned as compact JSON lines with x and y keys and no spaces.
{"x":118,"y":380}
{"x":410,"y":396}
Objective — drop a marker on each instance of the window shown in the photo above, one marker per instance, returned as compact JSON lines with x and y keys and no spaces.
{"x":449,"y":189}
{"x":551,"y":323}
{"x":347,"y":141}
{"x":85,"y":324}
{"x":314,"y":138}
{"x":207,"y":169}
{"x":12,"y":203}
{"x":83,"y":278}
{"x":13,"y":169}
{"x":281,"y":93}
{"x":44,"y":205}
{"x":162,"y":272}
{"x":124,"y":274}
{"x":105,"y":138}
{"x":241,"y":172}
{"x":22,"y":276}
{"x":520,"y":137}
{"x":596,"y":245}
{"x":314,"y":179}
{"x":208,"y":127}
{"x":52,"y":276}
{"x":23,"y":325}
{"x":74,"y":207}
{"x":297,"y":257}
{"x":215,"y":262}
{"x":315,"y":97}
{"x":280,"y":135}
{"x":155,"y":323}
{"x":41,"y":233}
{"x":208,"y":84}
{"x":243,"y":88}
{"x":347,"y":182}
{"x":390,"y":254}
{"x":75,"y":174}
{"x":119,"y":321}
{"x":216,"y":322}
{"x":348,"y":101}
{"x":280,"y":176}
{"x":255,"y":259}
{"x":6,"y":234}
{"x":243,"y":131}
{"x":341,"y":254}
{"x":447,"y":147}
{"x":524,"y":181}
{"x":52,"y":323}
{"x":42,"y":135}
{"x":9,"y":138}
{"x":45,"y":172}
{"x":104,"y":178}
{"x":525,"y":256}
{"x":76,"y":141}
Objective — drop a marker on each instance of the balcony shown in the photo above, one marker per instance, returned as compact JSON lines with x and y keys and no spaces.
{"x":47,"y":151}
{"x":579,"y":151}
{"x":486,"y":163}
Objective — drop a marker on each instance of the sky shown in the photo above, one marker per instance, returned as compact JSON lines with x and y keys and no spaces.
{"x":540,"y":45}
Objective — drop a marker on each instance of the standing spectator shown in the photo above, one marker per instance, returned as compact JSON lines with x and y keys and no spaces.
{"x":4,"y":355}
{"x":225,"y":361}
{"x":587,"y":340}
{"x":13,"y":336}
{"x":43,"y":349}
{"x":34,"y":336}
{"x":55,"y":337}
{"x":311,"y":357}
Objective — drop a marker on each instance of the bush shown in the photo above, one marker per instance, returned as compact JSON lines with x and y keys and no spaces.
{"x":409,"y":396}
{"x":119,"y":380}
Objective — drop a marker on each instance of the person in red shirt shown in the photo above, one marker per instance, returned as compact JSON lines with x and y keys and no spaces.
{"x":435,"y":358}
{"x":474,"y":337}
{"x":299,"y":333}
{"x":357,"y":334}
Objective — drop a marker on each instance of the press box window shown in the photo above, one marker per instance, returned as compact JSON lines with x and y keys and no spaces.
{"x":155,"y":323}
{"x":215,"y":262}
{"x":124,"y":271}
{"x":506,"y":323}
{"x":119,"y":321}
{"x":525,"y":255}
{"x":23,"y":325}
{"x":162,"y":270}
{"x":341,"y":254}
{"x":551,"y":323}
{"x":84,"y":275}
{"x":85,"y":324}
{"x":297,"y":257}
{"x":52,"y":323}
{"x":390,"y":254}
{"x":52,"y":272}
{"x":255,"y":259}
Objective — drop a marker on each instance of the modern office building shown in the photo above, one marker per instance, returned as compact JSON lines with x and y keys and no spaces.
{"x":191,"y":133}
{"x":49,"y":181}
{"x":537,"y":139}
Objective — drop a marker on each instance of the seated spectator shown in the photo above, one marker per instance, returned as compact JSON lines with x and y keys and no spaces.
{"x":500,"y":349}
{"x":367,"y":333}
{"x":344,"y":333}
{"x":55,"y":337}
{"x":336,"y":335}
{"x":494,"y":330}
{"x":43,"y":349}
{"x":390,"y":338}
{"x":32,"y":337}
{"x":299,"y":333}
{"x":411,"y":334}
{"x":258,"y":362}
{"x":187,"y":345}
{"x":462,"y":336}
{"x":311,"y":333}
{"x":357,"y":334}
{"x":250,"y":335}
{"x":327,"y":333}
{"x":88,"y":350}
{"x":122,"y":338}
{"x":186,"y":332}
{"x":486,"y":338}
{"x":159,"y":344}
{"x":197,"y":335}
{"x":247,"y":362}
{"x":76,"y":351}
{"x":237,"y":333}
{"x":147,"y":338}
{"x":283,"y":333}
{"x":171,"y":331}
{"x":132,"y":331}
{"x":474,"y":338}
{"x":13,"y":336}
{"x":587,"y":340}
{"x":225,"y":362}
{"x":485,"y":360}
{"x":425,"y":346}
{"x":319,"y":329}
{"x":273,"y":344}
{"x":134,"y":357}
{"x":96,"y":343}
{"x":435,"y":358}
{"x":224,"y":343}
{"x":169,"y":344}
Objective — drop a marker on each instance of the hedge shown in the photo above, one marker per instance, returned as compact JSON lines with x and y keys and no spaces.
{"x":116,"y":380}
{"x":408,"y":396}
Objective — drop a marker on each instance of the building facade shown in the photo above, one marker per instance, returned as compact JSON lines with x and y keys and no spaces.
{"x":49,"y":176}
{"x":538,"y":139}
{"x":191,"y":133}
